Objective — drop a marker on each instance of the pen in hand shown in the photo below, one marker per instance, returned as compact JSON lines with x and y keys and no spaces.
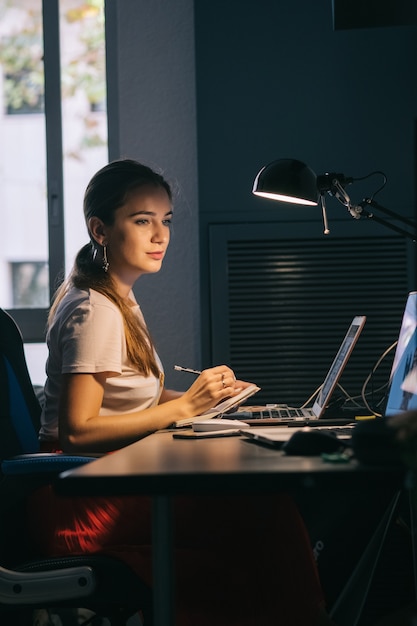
{"x":186,"y":369}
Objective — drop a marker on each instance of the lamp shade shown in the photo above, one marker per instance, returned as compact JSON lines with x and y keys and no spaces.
{"x":287,"y":180}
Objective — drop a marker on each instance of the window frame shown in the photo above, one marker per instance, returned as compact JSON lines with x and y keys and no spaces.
{"x":33,"y":321}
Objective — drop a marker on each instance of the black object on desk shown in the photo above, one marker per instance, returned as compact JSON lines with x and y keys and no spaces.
{"x":374,"y":442}
{"x":312,"y":442}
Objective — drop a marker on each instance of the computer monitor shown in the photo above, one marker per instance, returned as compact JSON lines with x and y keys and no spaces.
{"x":403,"y":380}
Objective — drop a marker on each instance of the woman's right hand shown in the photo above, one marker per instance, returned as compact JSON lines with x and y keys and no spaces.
{"x":211,"y":387}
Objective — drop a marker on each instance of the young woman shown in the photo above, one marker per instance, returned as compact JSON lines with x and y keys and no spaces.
{"x":105,"y":389}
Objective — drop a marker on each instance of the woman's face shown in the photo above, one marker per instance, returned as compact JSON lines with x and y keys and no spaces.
{"x":138,"y":239}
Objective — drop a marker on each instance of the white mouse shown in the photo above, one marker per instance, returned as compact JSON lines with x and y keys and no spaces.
{"x":217,"y":424}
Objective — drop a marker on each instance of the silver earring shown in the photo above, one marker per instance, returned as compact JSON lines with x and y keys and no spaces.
{"x":105,"y":265}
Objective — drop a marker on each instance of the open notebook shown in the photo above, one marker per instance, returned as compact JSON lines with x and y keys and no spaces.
{"x":284,"y":416}
{"x":220,"y":409}
{"x":275,"y":437}
{"x":403,"y":380}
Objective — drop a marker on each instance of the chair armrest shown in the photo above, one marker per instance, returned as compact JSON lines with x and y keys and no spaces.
{"x":47,"y":586}
{"x":42,"y":463}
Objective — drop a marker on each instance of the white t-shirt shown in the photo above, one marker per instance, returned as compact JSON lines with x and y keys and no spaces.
{"x":87,"y":336}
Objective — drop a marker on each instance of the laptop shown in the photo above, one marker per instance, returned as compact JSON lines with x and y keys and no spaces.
{"x":403,"y":384}
{"x":403,"y":379}
{"x":291,"y":415}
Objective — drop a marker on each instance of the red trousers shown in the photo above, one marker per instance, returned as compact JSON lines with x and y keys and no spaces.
{"x":239,"y":560}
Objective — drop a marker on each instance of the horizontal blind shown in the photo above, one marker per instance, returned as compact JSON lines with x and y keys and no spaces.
{"x":281,"y":307}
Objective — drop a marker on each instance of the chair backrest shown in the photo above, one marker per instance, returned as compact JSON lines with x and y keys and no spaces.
{"x":19,"y":406}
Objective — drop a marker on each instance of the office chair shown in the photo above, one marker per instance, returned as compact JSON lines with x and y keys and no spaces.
{"x":102,"y":584}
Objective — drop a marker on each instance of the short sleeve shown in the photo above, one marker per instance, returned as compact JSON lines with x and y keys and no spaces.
{"x":92,"y":340}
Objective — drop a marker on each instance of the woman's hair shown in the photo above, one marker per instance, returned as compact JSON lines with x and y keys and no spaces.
{"x":108,"y":190}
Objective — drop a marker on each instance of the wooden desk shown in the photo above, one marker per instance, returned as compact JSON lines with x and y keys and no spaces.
{"x":161,"y":466}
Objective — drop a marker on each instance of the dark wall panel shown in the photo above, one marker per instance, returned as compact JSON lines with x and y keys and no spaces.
{"x":282,"y":304}
{"x":373,"y":13}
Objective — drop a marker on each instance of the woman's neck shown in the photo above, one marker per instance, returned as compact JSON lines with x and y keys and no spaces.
{"x":123,"y":287}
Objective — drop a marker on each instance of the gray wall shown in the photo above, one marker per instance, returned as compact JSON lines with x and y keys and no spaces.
{"x":153,"y":119}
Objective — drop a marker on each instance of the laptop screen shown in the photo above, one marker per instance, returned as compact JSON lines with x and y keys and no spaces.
{"x":403,"y":381}
{"x":338,"y":365}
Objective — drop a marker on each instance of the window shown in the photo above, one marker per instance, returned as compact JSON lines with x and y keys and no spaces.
{"x":53,"y":125}
{"x":30,"y":284}
{"x":22,"y":149}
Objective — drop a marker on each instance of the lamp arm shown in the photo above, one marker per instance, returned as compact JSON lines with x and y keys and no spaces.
{"x":358,"y":211}
{"x":339,"y":192}
{"x":383,"y":209}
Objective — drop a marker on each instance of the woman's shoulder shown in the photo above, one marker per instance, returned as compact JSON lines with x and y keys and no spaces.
{"x":75,"y":298}
{"x":85,"y":311}
{"x":84,"y":302}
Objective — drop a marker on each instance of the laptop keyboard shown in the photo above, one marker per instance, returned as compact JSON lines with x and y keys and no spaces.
{"x":268,"y":413}
{"x":282,"y":413}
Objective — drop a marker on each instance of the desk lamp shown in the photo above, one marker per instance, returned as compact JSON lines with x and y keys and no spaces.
{"x":289,"y":180}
